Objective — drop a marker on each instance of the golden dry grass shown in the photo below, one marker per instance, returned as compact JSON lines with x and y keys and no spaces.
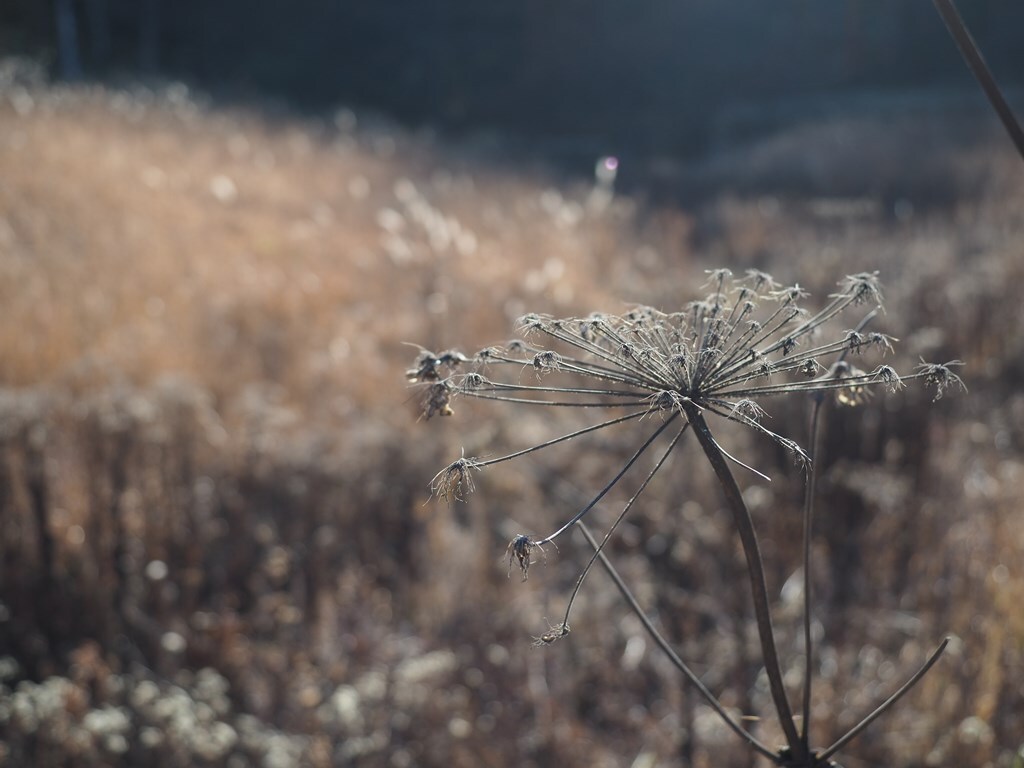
{"x":202,"y":361}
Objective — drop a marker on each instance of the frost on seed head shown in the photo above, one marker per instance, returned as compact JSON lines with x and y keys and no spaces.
{"x":748,"y":410}
{"x":556,"y":632}
{"x":527,"y":324}
{"x":666,"y":400}
{"x":520,"y":550}
{"x":761,"y":281}
{"x":863,"y":287}
{"x":941,"y":377}
{"x":429,"y":367}
{"x":888,"y":376}
{"x":456,"y":480}
{"x":546,"y":361}
{"x":472,"y":382}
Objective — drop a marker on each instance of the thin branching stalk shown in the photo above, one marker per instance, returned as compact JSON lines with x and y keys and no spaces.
{"x":611,"y":484}
{"x":618,"y":521}
{"x":810,"y":493}
{"x":885,"y":705}
{"x":670,"y":652}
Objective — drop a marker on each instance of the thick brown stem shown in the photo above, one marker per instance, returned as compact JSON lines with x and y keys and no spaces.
{"x":755,"y":570}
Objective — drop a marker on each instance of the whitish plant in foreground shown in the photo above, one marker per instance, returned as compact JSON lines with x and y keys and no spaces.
{"x":672,"y":373}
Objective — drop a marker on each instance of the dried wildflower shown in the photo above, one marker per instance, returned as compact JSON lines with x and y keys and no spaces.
{"x":546,"y":361}
{"x":456,"y":480}
{"x":941,"y":377}
{"x":858,"y":341}
{"x":438,"y":398}
{"x":429,"y":367}
{"x":810,"y":368}
{"x":472,"y":381}
{"x":887,"y":374}
{"x":666,"y":401}
{"x":761,"y":281}
{"x":722,"y":356}
{"x":520,"y":550}
{"x":881,"y":341}
{"x":554,"y":633}
{"x":746,"y":410}
{"x":862,"y":288}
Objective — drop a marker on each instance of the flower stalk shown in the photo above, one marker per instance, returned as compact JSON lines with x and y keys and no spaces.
{"x":755,"y":571}
{"x":748,"y":342}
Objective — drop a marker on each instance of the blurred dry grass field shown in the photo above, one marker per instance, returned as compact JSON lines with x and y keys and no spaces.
{"x":218,"y":547}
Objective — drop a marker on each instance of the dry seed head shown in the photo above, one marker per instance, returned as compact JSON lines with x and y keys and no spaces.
{"x":547,"y":361}
{"x":666,"y":401}
{"x":556,"y":632}
{"x":456,"y":480}
{"x":761,"y":281}
{"x":790,"y":294}
{"x":428,"y":366}
{"x":520,"y":550}
{"x":530,"y":323}
{"x":438,"y":399}
{"x":881,"y":341}
{"x":863,"y":287}
{"x":748,"y":410}
{"x":941,"y":377}
{"x":424,"y":368}
{"x":810,"y":368}
{"x":721,"y":355}
{"x":472,"y":381}
{"x":887,"y":375}
{"x":799,"y":454}
{"x":717,"y":276}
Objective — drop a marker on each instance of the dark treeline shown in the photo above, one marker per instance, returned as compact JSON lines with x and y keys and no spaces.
{"x":654,"y":75}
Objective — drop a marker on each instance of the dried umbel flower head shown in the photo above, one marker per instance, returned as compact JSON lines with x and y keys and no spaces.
{"x":749,"y":340}
{"x":940,"y":376}
{"x":725,"y":356}
{"x":746,"y":341}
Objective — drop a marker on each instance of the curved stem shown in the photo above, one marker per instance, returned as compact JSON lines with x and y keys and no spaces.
{"x":755,"y":570}
{"x":667,"y":649}
{"x":976,"y":63}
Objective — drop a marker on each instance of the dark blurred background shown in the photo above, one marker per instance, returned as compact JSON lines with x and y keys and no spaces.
{"x":652,"y":77}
